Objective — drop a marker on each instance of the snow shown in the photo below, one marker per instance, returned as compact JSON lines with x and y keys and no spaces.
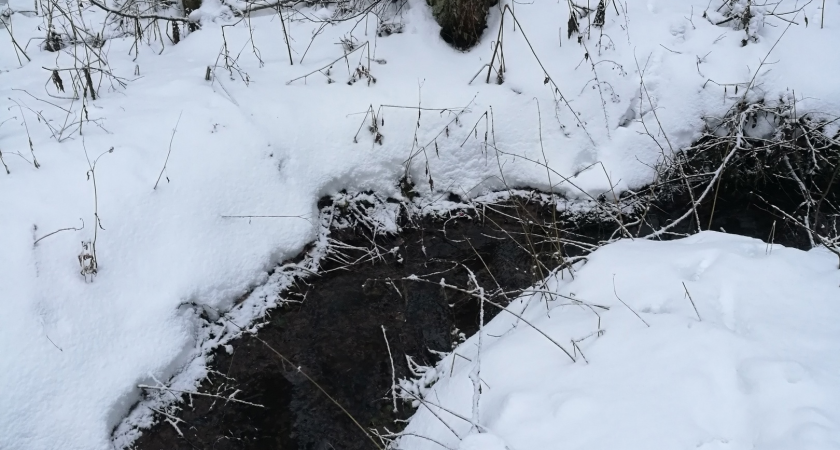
{"x":482,"y":442}
{"x":754,"y":371}
{"x":79,"y":346}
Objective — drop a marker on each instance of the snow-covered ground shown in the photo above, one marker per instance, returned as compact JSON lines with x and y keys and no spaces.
{"x":754,"y":367}
{"x":74,"y":348}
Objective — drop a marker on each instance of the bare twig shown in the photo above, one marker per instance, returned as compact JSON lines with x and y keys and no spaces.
{"x":688,"y":294}
{"x":628,"y":306}
{"x":58,"y":231}
{"x":174,"y":130}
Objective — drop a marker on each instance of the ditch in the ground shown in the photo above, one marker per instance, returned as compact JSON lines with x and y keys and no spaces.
{"x":335,"y":334}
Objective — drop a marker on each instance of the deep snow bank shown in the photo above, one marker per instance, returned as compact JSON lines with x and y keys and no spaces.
{"x":758,"y":370}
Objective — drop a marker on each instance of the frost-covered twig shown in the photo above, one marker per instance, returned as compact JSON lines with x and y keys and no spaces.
{"x":393,"y":371}
{"x":229,"y":398}
{"x":137,"y":16}
{"x":475,"y":373}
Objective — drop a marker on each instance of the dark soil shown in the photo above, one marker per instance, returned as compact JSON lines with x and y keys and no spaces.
{"x":741,"y":212}
{"x":335,"y":335}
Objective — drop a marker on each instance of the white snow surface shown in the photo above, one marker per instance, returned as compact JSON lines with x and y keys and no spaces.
{"x":73,"y":350}
{"x":754,"y":367}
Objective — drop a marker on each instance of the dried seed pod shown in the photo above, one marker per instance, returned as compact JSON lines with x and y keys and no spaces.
{"x":56,"y":79}
{"x":572,"y":26}
{"x":89,"y":81}
{"x":176,"y":33}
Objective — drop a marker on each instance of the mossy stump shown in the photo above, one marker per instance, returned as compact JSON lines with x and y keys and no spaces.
{"x":462,"y":21}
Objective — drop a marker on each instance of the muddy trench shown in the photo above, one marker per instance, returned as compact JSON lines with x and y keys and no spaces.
{"x":334,"y":333}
